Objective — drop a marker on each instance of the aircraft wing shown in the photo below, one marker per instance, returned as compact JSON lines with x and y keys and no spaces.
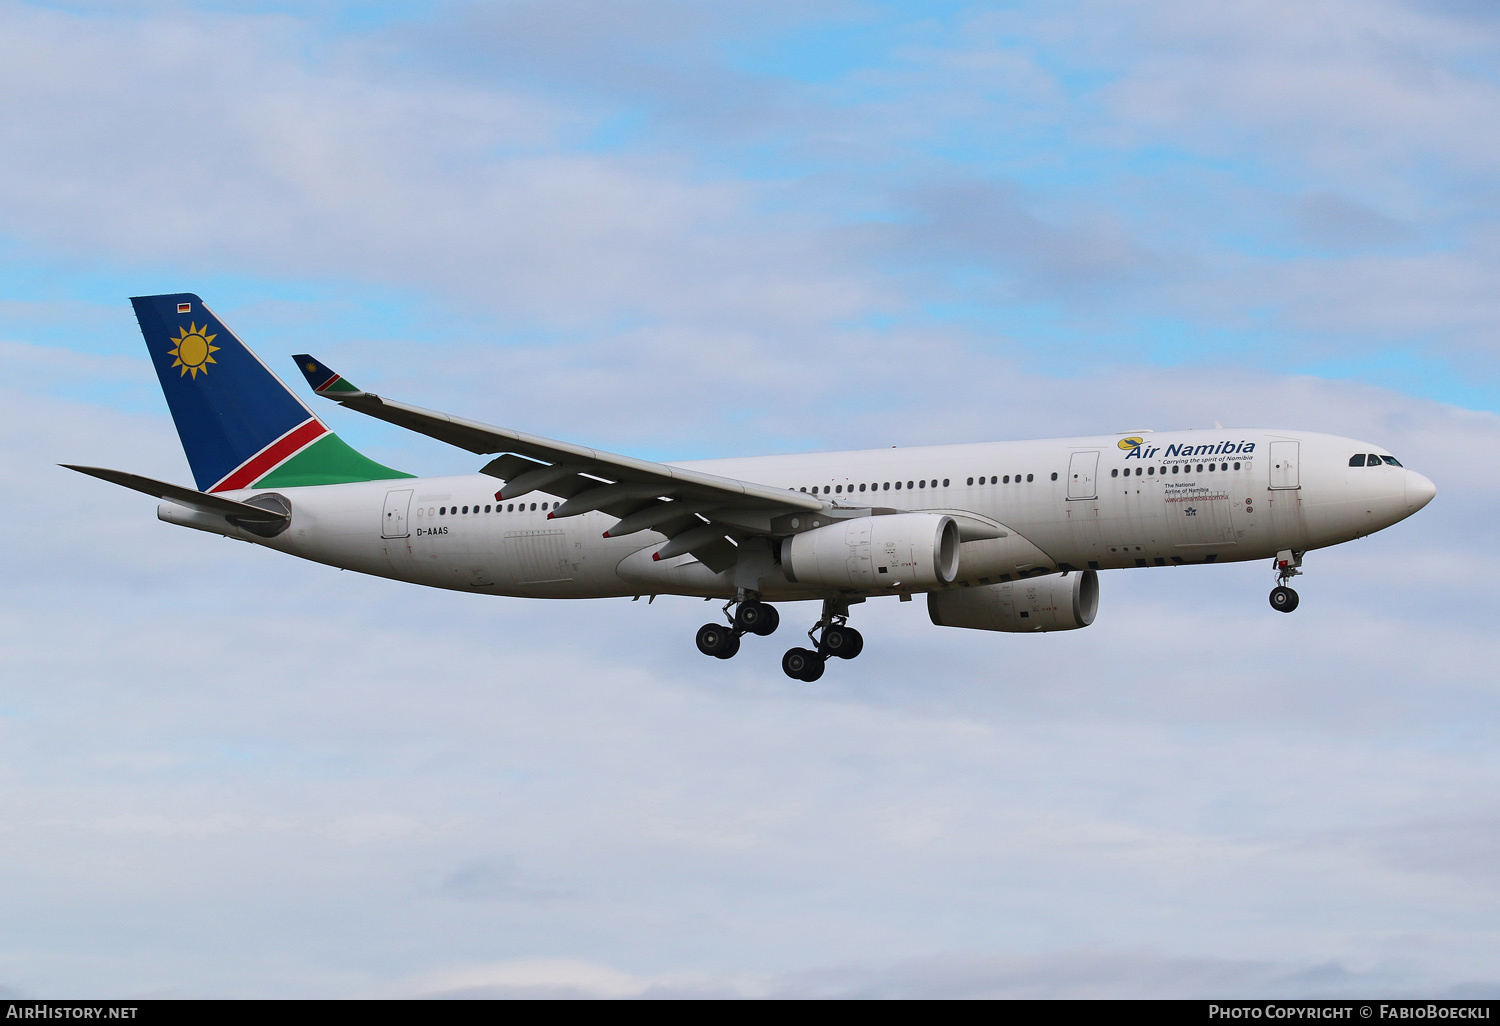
{"x":188,"y":497}
{"x":703,"y":514}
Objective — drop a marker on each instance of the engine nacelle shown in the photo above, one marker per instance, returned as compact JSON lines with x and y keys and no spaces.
{"x":914,"y":551}
{"x":1063,"y":603}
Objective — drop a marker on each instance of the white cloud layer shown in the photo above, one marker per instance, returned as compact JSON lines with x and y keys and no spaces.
{"x":225,"y":773}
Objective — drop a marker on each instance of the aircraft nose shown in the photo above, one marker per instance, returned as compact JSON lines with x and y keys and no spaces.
{"x":1419,"y":491}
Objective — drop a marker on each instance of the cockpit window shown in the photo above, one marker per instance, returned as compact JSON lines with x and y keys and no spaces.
{"x":1357,"y":460}
{"x":1392,"y":460}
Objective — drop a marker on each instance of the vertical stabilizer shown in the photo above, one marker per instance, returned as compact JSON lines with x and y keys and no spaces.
{"x":239,"y":425}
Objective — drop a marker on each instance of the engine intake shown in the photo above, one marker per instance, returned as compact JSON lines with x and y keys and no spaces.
{"x":1063,"y":603}
{"x":913,"y":551}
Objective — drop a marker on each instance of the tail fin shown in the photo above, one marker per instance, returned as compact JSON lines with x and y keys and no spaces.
{"x":239,"y":425}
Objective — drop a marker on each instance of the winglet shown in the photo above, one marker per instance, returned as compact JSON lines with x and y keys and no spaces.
{"x":325,"y":380}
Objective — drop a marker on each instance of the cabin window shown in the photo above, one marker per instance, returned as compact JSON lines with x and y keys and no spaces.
{"x":909,"y":486}
{"x":886,"y":487}
{"x":945,"y":482}
{"x":971,"y":480}
{"x":442,"y":511}
{"x":1115,"y":472}
{"x":898,"y":486}
{"x":1007,"y":479}
{"x":1236,"y":466}
{"x":839,"y":489}
{"x":1150,"y":470}
{"x":1028,"y":478}
{"x":1392,"y":460}
{"x":486,"y":507}
{"x":466,"y":509}
{"x":1054,"y":475}
{"x":1200,"y":468}
{"x":1175,"y":468}
{"x":533,"y":507}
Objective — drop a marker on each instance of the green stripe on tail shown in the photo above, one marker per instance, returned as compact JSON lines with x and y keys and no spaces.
{"x":329,"y":460}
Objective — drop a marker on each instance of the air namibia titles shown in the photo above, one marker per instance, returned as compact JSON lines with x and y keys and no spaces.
{"x":1140,"y":452}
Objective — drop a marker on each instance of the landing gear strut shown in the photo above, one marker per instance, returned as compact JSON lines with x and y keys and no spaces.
{"x":751,"y":616}
{"x":838,"y":639}
{"x":1284,"y":599}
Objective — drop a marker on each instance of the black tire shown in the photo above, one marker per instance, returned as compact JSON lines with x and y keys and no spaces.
{"x":731,"y":649}
{"x":859,"y":643}
{"x":757,"y":618}
{"x":802,"y":664}
{"x":773,"y":621}
{"x":1283,"y":599}
{"x":844,"y":642}
{"x":714,"y":638}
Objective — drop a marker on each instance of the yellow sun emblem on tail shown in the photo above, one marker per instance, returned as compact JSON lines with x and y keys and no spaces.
{"x":194,"y":350}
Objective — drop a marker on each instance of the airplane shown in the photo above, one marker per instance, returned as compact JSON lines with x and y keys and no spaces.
{"x":997,"y":536}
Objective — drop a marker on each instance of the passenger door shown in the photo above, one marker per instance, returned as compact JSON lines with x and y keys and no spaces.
{"x":1284,"y":465}
{"x":1082,"y":471}
{"x":397,"y":507}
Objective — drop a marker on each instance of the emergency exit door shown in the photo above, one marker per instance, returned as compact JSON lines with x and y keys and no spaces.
{"x":1082,"y":471}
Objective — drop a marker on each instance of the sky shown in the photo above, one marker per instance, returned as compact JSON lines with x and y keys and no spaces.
{"x":682,"y":230}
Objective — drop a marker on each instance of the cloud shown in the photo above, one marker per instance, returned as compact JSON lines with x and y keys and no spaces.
{"x":1087,"y":975}
{"x":230,"y":773}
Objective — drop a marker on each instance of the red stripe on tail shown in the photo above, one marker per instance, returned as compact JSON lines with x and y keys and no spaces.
{"x":257,"y":466}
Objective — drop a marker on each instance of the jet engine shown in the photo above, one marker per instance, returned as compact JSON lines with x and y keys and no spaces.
{"x":913,"y":551}
{"x":1063,"y":603}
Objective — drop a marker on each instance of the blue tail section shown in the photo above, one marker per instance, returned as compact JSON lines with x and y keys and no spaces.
{"x":228,"y":406}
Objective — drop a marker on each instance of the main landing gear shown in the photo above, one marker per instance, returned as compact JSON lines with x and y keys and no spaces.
{"x":1284,"y":599}
{"x":751,"y":616}
{"x":838,"y":639}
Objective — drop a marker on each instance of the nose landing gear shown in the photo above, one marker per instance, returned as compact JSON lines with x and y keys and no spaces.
{"x":751,"y":616}
{"x":1284,"y":599}
{"x":838,"y":639}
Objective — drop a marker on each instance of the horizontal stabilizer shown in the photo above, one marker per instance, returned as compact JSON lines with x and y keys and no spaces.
{"x":184,"y":496}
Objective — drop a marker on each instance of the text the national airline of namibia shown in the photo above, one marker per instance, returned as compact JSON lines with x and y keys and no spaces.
{"x":1141,"y":451}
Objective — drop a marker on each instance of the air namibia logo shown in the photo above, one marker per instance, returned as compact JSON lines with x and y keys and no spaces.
{"x":194,"y":349}
{"x":1131,"y":444}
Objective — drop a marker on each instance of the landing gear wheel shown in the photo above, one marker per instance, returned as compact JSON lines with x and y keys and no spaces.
{"x":802,"y":664}
{"x":1283,"y":599}
{"x":841,"y":641}
{"x":715,"y":639}
{"x":757,"y":618}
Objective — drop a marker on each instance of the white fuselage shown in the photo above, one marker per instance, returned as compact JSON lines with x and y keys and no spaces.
{"x":1058,"y":504}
